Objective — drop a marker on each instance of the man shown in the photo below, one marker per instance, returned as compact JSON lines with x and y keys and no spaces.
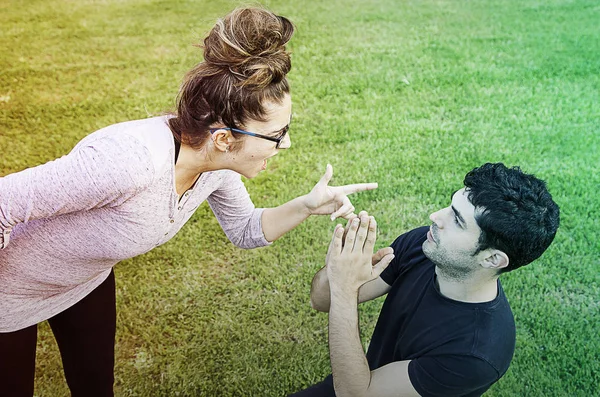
{"x":446,"y":328}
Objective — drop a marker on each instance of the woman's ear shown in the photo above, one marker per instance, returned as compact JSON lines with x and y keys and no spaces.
{"x":222,"y":140}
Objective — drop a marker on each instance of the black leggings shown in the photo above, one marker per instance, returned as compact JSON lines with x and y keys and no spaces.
{"x":85,"y":334}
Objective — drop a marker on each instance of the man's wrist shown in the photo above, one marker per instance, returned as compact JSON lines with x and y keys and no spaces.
{"x":344,"y":293}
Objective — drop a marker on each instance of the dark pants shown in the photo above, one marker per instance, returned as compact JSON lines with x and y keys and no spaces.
{"x":85,"y":334}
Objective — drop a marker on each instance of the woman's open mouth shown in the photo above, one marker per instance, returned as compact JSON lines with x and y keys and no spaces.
{"x":264,"y":164}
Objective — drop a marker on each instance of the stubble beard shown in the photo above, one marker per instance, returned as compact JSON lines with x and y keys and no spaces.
{"x":454,"y":267}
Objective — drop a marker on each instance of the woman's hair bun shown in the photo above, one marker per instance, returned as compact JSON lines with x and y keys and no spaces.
{"x":250,"y":44}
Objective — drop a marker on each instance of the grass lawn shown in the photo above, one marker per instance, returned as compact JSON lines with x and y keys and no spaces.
{"x":410,"y":94}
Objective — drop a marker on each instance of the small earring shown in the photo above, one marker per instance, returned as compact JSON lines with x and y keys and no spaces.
{"x":227,"y":149}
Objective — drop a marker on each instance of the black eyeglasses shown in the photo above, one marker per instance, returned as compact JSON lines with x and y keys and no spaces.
{"x":279,"y":138}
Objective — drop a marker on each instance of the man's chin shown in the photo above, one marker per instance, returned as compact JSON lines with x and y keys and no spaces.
{"x":429,"y":250}
{"x":426,"y":247}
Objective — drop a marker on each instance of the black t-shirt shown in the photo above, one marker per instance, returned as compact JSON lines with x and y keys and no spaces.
{"x":456,"y":348}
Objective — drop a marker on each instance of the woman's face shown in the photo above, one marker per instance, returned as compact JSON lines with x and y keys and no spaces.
{"x":253,"y":156}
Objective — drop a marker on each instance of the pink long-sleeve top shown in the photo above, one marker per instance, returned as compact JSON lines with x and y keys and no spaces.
{"x":66,"y":223}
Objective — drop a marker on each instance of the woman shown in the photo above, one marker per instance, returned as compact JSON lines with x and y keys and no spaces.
{"x":130,"y":187}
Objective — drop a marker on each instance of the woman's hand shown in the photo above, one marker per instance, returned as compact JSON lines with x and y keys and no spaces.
{"x":333,"y":200}
{"x":322,"y":200}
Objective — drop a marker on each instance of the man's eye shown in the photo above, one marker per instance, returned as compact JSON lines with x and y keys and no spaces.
{"x":456,"y":221}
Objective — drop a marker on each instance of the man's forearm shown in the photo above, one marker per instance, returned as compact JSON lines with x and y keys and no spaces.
{"x":351,"y":373}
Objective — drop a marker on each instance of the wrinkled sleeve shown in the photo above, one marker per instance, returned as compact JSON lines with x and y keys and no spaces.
{"x":450,"y":375}
{"x":236,"y":214}
{"x":103,"y":172}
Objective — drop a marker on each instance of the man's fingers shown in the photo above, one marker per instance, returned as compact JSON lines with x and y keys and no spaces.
{"x":348,"y":226}
{"x":358,"y":187}
{"x":381,"y":266}
{"x":335,"y":246}
{"x":351,"y":235}
{"x":371,"y":234}
{"x":380,"y":254}
{"x":327,"y":175}
{"x":363,"y":231}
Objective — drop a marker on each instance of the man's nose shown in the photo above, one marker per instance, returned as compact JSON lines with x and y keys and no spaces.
{"x":435,"y":218}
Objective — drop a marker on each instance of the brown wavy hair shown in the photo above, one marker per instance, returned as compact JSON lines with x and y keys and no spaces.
{"x":245,"y":65}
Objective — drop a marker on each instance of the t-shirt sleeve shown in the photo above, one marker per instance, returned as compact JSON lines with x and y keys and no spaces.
{"x":236,"y":213}
{"x":405,"y":247}
{"x":450,"y":375}
{"x":102,"y":172}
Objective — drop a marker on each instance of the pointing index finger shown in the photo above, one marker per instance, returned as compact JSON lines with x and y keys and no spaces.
{"x":358,"y":187}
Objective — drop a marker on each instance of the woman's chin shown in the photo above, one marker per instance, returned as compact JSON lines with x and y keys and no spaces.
{"x":250,"y":170}
{"x":250,"y":173}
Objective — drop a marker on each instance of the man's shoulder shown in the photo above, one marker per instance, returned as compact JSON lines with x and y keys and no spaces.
{"x":408,"y":253}
{"x":412,"y":238}
{"x":470,"y":357}
{"x":470,"y":350}
{"x":463,"y":375}
{"x":495,"y":338}
{"x":408,"y":247}
{"x":470,"y":333}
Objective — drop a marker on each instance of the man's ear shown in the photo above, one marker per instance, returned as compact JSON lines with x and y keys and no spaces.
{"x":222,"y":140}
{"x":495,"y":259}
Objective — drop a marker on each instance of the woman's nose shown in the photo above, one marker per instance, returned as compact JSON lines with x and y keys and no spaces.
{"x":286,"y":143}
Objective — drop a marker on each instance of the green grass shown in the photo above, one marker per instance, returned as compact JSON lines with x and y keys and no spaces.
{"x":410,"y":94}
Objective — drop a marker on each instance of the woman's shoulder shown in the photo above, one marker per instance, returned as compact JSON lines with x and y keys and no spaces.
{"x":227,"y":176}
{"x":222,"y":180}
{"x":148,"y":138}
{"x":154,"y":130}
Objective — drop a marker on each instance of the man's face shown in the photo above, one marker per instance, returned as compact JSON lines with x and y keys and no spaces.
{"x":453,"y":238}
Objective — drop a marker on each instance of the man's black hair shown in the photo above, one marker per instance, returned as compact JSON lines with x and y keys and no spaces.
{"x":514,"y":210}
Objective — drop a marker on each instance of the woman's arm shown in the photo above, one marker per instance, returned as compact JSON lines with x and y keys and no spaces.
{"x":279,"y":220}
{"x":233,"y":208}
{"x":250,"y":227}
{"x":102,"y":172}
